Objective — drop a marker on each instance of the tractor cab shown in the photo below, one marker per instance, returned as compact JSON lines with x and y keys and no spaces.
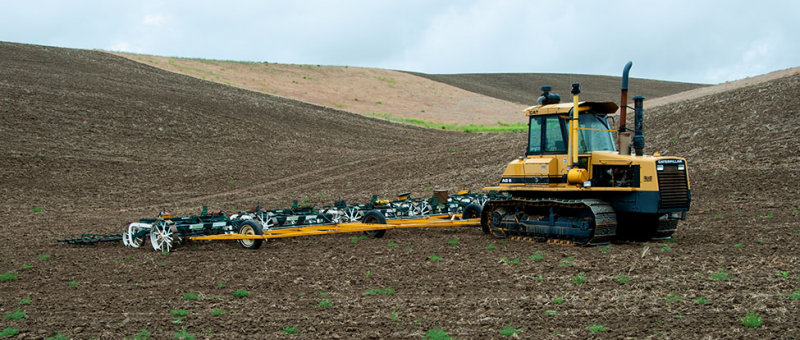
{"x":548,"y":132}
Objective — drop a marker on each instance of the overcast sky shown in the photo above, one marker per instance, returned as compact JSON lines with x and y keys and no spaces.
{"x":680,"y":40}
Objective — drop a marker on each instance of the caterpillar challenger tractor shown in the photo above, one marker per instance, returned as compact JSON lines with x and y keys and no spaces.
{"x":573,"y":186}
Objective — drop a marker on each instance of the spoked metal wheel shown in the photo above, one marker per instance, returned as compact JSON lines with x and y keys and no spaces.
{"x":267,"y":223}
{"x":161,"y":236}
{"x":352,"y":214}
{"x":130,"y":238}
{"x":421,"y":208}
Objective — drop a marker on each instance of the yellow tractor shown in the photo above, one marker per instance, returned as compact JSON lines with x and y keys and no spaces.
{"x":575,"y":186}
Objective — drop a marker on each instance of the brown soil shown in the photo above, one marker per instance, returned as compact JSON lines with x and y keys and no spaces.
{"x":525,"y":87}
{"x":367,"y":91}
{"x":96,"y":140}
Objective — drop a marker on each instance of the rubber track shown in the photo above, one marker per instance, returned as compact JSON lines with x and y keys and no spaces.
{"x":604,"y":215}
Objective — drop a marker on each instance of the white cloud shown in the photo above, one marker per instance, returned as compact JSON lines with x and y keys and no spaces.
{"x":154,"y":20}
{"x":682,"y":40}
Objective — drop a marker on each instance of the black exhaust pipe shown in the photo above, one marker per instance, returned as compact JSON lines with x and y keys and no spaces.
{"x":638,"y":133}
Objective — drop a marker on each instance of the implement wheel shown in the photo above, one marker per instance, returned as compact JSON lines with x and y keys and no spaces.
{"x":161,"y":236}
{"x":472,"y":210}
{"x":250,"y":227}
{"x":374,"y":217}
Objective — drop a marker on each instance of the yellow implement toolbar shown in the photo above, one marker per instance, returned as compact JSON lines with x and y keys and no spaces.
{"x":352,"y":227}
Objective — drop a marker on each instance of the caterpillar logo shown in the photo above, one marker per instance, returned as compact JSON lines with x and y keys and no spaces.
{"x":669,"y":161}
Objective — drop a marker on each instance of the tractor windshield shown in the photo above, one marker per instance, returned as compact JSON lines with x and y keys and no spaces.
{"x":548,"y":135}
{"x":594,"y":134}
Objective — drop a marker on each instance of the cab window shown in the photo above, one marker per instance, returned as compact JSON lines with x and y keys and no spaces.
{"x":547,"y":135}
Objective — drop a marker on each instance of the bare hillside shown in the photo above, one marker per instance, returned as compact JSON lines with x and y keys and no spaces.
{"x":366,"y":91}
{"x":525,"y":87}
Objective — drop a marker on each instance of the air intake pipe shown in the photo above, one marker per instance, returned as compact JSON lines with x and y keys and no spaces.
{"x":638,"y":133}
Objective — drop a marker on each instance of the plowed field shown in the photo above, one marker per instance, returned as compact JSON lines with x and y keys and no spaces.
{"x":91,"y":141}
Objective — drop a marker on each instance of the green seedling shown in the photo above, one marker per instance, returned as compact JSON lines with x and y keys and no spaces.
{"x":717,"y":217}
{"x":567,"y":261}
{"x":9,"y":331}
{"x":379,"y":291}
{"x":368,"y":273}
{"x":539,"y":278}
{"x":290,"y":330}
{"x":511,"y":262}
{"x":596,"y":328}
{"x":322,"y":294}
{"x":550,"y":312}
{"x":183,"y":334}
{"x":673,"y":298}
{"x":73,"y":284}
{"x":783,"y":274}
{"x":701,"y":300}
{"x":191,"y":296}
{"x":8,"y":276}
{"x":355,"y":239}
{"x":558,"y":300}
{"x":453,"y":242}
{"x":666,"y":248}
{"x":179,"y":312}
{"x":57,"y":336}
{"x":436,"y":334}
{"x":241,"y":293}
{"x":579,"y":279}
{"x":392,"y":244}
{"x":509,"y":330}
{"x":795,"y":295}
{"x":751,"y":320}
{"x":221,"y":285}
{"x":435,"y":258}
{"x":605,"y":249}
{"x":44,"y":257}
{"x":325,"y":303}
{"x":721,"y":275}
{"x":15,"y":315}
{"x":25,"y":301}
{"x":491,"y":247}
{"x":25,"y":267}
{"x":36,"y":209}
{"x":622,"y":278}
{"x":408,"y":249}
{"x":217,"y":312}
{"x":738,"y":245}
{"x":142,"y":335}
{"x":395,"y":315}
{"x":538,"y":256}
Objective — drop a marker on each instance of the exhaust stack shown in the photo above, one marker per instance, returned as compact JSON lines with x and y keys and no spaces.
{"x":623,"y":136}
{"x":638,"y":135}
